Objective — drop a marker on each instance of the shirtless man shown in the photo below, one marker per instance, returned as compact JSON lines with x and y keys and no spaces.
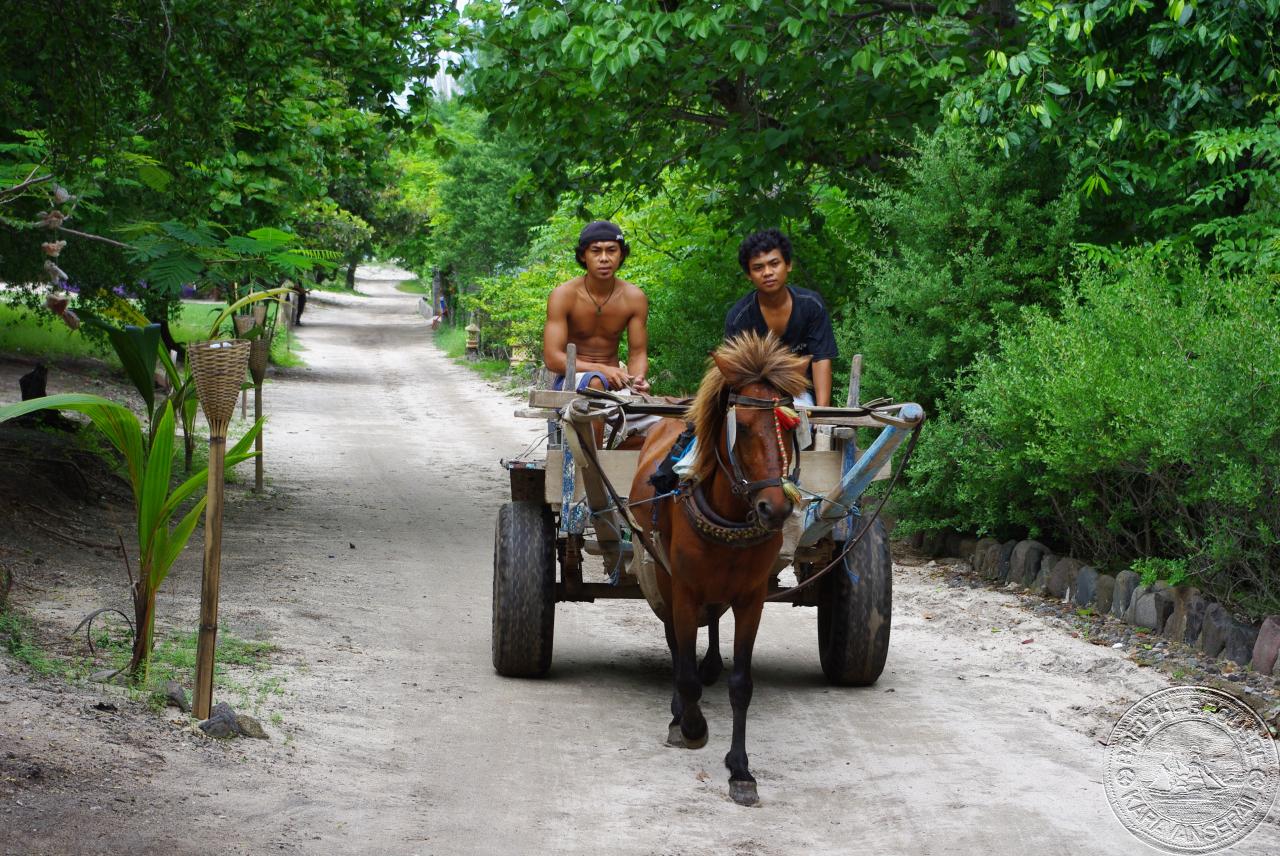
{"x":593,"y":310}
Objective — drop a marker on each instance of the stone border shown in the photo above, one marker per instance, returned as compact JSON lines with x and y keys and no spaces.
{"x":1180,"y":613}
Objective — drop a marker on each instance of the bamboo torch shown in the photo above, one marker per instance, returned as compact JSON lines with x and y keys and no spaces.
{"x":219,"y":368}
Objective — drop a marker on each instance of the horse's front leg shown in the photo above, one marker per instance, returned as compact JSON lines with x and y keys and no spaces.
{"x":684,"y":630}
{"x":746,"y":618}
{"x":712,"y":664}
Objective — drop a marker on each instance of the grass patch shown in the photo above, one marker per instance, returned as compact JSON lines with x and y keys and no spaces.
{"x":194,"y":319}
{"x":17,"y":636}
{"x":491,"y":369}
{"x":414,"y":286}
{"x":452,"y":340}
{"x":42,"y":335}
{"x":240,"y":673}
{"x":239,"y":670}
{"x":284,"y":348}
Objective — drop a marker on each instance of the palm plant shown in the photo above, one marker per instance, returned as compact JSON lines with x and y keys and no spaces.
{"x":148,"y":457}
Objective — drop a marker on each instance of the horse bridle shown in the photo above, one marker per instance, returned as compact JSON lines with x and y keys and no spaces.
{"x":752,"y":531}
{"x":739,"y":484}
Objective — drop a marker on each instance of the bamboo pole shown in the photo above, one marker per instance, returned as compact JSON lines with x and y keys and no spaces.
{"x":208,"y":638}
{"x":257,"y":442}
{"x":259,"y":354}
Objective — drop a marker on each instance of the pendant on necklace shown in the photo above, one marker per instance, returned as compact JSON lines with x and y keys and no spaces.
{"x":599,"y":310}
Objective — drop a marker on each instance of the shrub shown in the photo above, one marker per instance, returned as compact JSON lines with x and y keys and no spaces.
{"x":966,"y":239}
{"x":1138,"y":424}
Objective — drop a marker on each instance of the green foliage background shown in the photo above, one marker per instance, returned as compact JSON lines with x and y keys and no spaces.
{"x":1056,"y":224}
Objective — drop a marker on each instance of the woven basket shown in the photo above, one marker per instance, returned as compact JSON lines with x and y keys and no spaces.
{"x":260,"y":313}
{"x":244,"y":323}
{"x":219,"y":368}
{"x":259,"y":350}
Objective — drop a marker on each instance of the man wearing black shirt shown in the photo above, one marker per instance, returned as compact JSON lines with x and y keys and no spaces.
{"x":795,"y":315}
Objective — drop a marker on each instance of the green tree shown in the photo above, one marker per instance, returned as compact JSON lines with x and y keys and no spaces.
{"x":1166,"y":110}
{"x":240,"y":114}
{"x":759,"y":98}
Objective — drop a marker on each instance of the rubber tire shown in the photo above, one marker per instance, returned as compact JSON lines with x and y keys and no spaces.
{"x":524,"y":589}
{"x":854,"y":618}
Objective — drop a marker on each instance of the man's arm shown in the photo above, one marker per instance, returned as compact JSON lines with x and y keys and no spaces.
{"x":821,"y":382}
{"x":822,"y":345}
{"x":555,"y":333}
{"x":638,"y":344}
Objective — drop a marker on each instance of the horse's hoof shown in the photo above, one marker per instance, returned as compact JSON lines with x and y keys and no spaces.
{"x":743,"y":793}
{"x":674,"y":737}
{"x":693,"y":742}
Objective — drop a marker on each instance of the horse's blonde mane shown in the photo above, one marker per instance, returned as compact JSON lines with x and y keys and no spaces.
{"x":750,"y":358}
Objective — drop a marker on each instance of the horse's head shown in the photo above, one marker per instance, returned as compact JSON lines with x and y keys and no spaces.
{"x":744,"y":423}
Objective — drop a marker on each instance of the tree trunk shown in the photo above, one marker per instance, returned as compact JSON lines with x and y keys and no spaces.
{"x":166,"y":336}
{"x":144,"y":616}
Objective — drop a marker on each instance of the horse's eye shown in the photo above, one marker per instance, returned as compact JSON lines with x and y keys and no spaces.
{"x":743,"y":427}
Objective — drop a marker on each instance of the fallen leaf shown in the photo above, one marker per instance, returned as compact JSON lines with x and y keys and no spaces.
{"x":1027,"y":641}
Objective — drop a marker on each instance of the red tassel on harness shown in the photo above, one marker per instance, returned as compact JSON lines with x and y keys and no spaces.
{"x":787,"y":418}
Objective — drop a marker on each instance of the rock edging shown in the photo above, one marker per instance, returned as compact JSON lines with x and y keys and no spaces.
{"x":1178,"y":613}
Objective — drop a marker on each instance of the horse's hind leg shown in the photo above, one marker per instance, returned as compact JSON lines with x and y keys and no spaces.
{"x":742,"y":785}
{"x":674,"y":738}
{"x":712,"y":664}
{"x":684,"y":633}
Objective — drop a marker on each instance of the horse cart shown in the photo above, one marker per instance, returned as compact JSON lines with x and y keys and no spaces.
{"x":567,"y":534}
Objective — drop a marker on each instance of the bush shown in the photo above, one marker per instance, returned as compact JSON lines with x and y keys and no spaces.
{"x":1138,"y":424}
{"x":966,"y":240}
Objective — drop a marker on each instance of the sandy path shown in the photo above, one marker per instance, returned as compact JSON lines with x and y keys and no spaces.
{"x":403,"y":740}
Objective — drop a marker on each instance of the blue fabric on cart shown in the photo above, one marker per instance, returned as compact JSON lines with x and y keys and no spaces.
{"x":584,"y":380}
{"x":684,"y":466}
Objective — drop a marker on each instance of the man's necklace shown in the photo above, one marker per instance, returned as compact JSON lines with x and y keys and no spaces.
{"x":600,"y":306}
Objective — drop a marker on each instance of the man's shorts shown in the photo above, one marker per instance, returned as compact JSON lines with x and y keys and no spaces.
{"x":584,"y":380}
{"x":636,"y":423}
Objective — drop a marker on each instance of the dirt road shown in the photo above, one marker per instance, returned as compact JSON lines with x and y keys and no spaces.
{"x":369,"y":566}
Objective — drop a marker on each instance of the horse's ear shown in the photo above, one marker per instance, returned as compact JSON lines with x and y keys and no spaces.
{"x":726,"y":370}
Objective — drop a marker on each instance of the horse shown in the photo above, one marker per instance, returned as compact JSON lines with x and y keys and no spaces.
{"x":720,"y":537}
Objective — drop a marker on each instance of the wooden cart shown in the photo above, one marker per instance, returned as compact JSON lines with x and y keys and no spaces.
{"x":561,"y":517}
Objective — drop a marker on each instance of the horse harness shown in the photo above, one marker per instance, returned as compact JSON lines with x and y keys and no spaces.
{"x":752,"y":531}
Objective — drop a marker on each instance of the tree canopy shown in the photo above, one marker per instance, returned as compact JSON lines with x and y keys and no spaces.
{"x":237,"y":115}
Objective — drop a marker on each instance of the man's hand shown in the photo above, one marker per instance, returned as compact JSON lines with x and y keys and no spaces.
{"x":640,"y":385}
{"x":616,"y":375}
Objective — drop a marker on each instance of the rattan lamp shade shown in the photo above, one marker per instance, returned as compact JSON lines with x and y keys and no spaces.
{"x":219,"y":368}
{"x":259,"y":350}
{"x":243,"y":323}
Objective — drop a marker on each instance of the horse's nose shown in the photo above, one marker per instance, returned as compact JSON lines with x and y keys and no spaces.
{"x":771,"y":514}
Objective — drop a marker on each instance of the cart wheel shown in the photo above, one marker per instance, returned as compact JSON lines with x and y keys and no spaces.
{"x":524,"y":589}
{"x":853,"y":618}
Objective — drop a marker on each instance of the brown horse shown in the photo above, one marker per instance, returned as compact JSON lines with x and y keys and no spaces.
{"x":722,"y":536}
